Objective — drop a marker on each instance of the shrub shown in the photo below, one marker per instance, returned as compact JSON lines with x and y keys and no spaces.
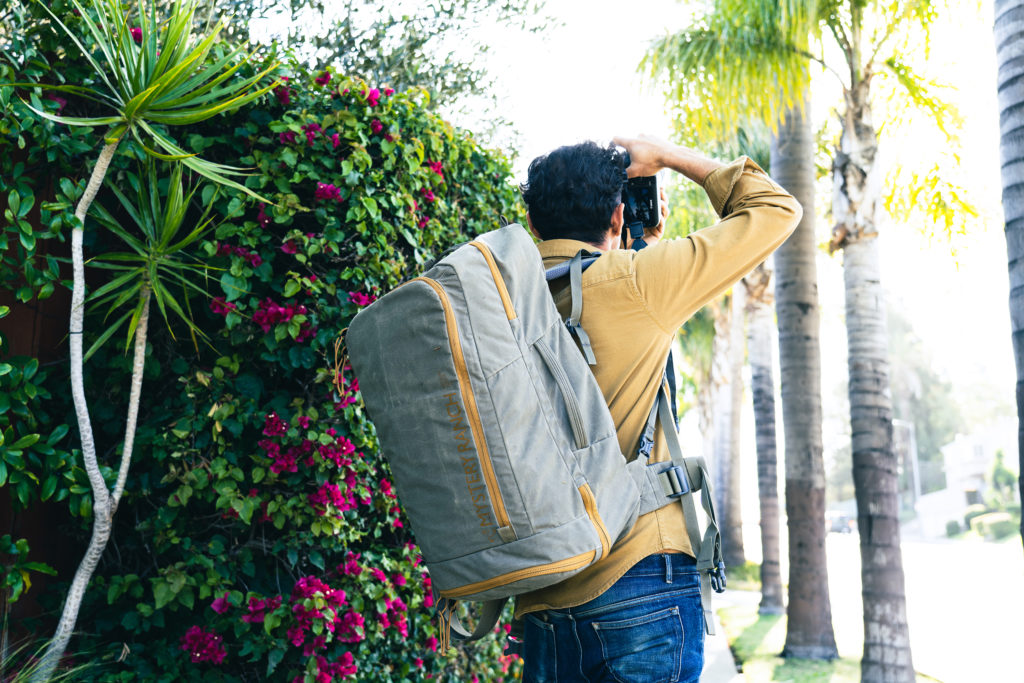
{"x":983,"y":524}
{"x":973,"y":511}
{"x":1003,"y":528}
{"x":953,"y":528}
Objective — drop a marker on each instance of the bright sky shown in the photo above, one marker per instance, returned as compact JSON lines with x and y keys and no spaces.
{"x":578,"y":81}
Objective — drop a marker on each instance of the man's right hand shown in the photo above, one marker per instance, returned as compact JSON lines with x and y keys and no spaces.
{"x":649,"y":154}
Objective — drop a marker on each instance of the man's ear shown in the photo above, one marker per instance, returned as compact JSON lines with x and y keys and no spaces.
{"x":533,"y":230}
{"x":617,"y":217}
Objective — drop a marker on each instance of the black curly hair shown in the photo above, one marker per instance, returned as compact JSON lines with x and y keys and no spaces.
{"x":572,"y":192}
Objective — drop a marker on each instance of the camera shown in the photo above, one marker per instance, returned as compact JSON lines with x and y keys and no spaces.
{"x":640,"y":196}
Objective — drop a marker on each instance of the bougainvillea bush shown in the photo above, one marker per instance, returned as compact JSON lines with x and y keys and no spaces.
{"x":266,"y":539}
{"x":260,"y":537}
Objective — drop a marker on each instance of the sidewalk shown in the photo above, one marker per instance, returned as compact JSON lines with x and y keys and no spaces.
{"x":719,"y":666}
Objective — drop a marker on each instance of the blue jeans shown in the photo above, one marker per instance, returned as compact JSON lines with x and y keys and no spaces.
{"x":647,"y":628}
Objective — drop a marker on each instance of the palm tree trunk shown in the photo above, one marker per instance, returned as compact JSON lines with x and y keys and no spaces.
{"x":857,"y":190}
{"x":762,"y":386}
{"x":809,"y":631}
{"x":732,"y":533}
{"x":102,"y":513}
{"x":721,"y":401}
{"x":1009,"y":38}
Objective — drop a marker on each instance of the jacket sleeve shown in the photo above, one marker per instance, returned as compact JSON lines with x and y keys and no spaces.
{"x":675,"y":278}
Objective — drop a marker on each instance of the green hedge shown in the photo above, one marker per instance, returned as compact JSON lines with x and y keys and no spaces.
{"x":260,"y":537}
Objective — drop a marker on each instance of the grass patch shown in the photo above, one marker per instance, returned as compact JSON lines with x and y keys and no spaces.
{"x":745,"y":577}
{"x":756,"y":641}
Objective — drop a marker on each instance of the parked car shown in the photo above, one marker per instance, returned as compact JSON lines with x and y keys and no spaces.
{"x":839,"y":522}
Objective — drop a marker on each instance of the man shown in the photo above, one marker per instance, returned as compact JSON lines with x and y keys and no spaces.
{"x":636,"y":615}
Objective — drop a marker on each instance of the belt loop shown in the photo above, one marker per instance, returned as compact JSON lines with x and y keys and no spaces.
{"x":668,"y":568}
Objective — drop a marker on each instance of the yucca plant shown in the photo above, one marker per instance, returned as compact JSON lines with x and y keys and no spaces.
{"x":152,"y":75}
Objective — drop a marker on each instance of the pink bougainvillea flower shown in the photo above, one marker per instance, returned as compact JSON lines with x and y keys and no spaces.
{"x":203,"y":645}
{"x":136,"y":34}
{"x":221,"y":604}
{"x":274,"y":425}
{"x":428,"y":194}
{"x":373,"y":97}
{"x":376,"y":126}
{"x":432,"y":644}
{"x":361,"y":298}
{"x":423,"y":222}
{"x":326,"y":191}
{"x":262,"y":218}
{"x":323,"y":79}
{"x":436,"y":167}
{"x":221,"y":307}
{"x":303,"y":421}
{"x":388,"y":92}
{"x":287,"y":137}
{"x":311,"y":129}
{"x":284,"y":94}
{"x":335,"y":141}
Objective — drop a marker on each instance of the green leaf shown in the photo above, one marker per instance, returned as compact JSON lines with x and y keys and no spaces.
{"x":5,"y":368}
{"x":273,"y":659}
{"x":24,"y":442}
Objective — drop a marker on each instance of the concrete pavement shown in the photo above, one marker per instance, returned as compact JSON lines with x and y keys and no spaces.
{"x":719,"y":665}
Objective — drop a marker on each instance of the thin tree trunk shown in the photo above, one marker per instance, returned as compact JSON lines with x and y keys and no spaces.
{"x":857,"y":190}
{"x":732,"y":533}
{"x":1009,"y":38}
{"x":102,"y":512}
{"x":809,"y":631}
{"x":721,"y":401}
{"x":762,"y":386}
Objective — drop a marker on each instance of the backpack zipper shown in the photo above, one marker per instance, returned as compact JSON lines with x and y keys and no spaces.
{"x":590,"y":504}
{"x":472,"y":413}
{"x":567,"y":565}
{"x":499,"y":282}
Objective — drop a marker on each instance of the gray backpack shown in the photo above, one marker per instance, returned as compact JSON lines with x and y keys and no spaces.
{"x":502,"y":448}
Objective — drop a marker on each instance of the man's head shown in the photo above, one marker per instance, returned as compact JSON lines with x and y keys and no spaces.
{"x":574,"y":192}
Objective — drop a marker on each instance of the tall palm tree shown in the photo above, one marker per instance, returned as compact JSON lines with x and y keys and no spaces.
{"x":762,"y":386}
{"x":754,"y":75}
{"x":752,"y":57}
{"x":1009,"y":24}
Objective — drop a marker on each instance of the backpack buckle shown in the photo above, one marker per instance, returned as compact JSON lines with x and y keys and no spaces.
{"x":674,"y":482}
{"x":717,"y":576}
{"x":646,"y":446}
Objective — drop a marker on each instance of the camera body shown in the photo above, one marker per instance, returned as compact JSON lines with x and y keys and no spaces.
{"x":640,"y":196}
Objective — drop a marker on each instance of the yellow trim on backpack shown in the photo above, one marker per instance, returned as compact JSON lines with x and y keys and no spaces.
{"x":595,"y":517}
{"x":506,"y":300}
{"x":472,"y":413}
{"x":567,"y":565}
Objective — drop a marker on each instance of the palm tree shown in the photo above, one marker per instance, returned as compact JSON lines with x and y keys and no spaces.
{"x":1010,"y":57}
{"x":762,"y":386}
{"x":752,"y":57}
{"x":150,"y":75}
{"x":737,"y":91}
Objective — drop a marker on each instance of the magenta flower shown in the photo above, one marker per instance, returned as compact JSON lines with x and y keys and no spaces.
{"x":274,"y":425}
{"x":284,"y":94}
{"x":323,"y":79}
{"x":136,"y":34}
{"x":361,"y":298}
{"x":290,"y":247}
{"x":376,"y":126}
{"x":262,"y":218}
{"x":335,"y":141}
{"x":287,"y":137}
{"x":436,"y":167}
{"x":303,"y":421}
{"x":423,"y":222}
{"x":221,"y":307}
{"x":432,"y":644}
{"x":428,"y":194}
{"x":311,"y":129}
{"x":221,"y":604}
{"x":388,"y":92}
{"x":373,"y":97}
{"x":326,"y":191}
{"x":203,"y":646}
{"x":351,"y":627}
